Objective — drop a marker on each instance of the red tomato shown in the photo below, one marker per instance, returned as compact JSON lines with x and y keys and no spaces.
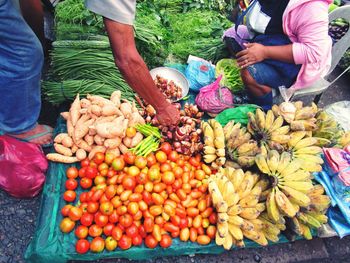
{"x":117,"y":233}
{"x":82,"y":246}
{"x":151,"y":242}
{"x":107,"y":229}
{"x":86,"y":219}
{"x":129,"y":183}
{"x":137,"y":240}
{"x":65,"y":210}
{"x":111,"y":173}
{"x":110,"y":191}
{"x":132,"y":231}
{"x":140,"y":162}
{"x":133,"y":171}
{"x":148,"y":223}
{"x":173,"y":156}
{"x":168,"y":178}
{"x":97,"y":245}
{"x":142,"y":231}
{"x":95,"y":231}
{"x":82,"y":172}
{"x":141,"y":178}
{"x":85,"y":162}
{"x":92,"y":207}
{"x":114,"y":217}
{"x":166,"y":241}
{"x":125,"y":242}
{"x":194,"y":162}
{"x":109,"y":157}
{"x":118,"y":163}
{"x":99,"y":157}
{"x":126,"y":220}
{"x":111,"y":243}
{"x":100,"y":219}
{"x":97,"y":195}
{"x":83,"y":206}
{"x":72,"y":172}
{"x":81,"y":232}
{"x":85,"y":183}
{"x":69,"y":196}
{"x":67,"y":225}
{"x":75,"y":213}
{"x":91,"y":172}
{"x":106,"y":208}
{"x":129,"y":158}
{"x":151,"y":160}
{"x":154,"y":174}
{"x":165,"y":167}
{"x":161,"y":157}
{"x":83,"y":197}
{"x":166,"y":147}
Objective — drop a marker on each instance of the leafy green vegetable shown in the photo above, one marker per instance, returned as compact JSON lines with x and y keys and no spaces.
{"x":230,"y":72}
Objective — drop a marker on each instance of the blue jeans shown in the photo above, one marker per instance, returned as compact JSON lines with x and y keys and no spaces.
{"x":21,"y":61}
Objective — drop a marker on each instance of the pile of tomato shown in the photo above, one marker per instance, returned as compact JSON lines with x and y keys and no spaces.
{"x":130,"y":200}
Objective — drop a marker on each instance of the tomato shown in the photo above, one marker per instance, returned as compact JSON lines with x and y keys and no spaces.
{"x":151,"y":242}
{"x":151,"y":160}
{"x":129,"y":158}
{"x":82,"y":246}
{"x":99,"y":157}
{"x":95,"y":231}
{"x":72,"y":172}
{"x":166,"y":147}
{"x":81,"y":232}
{"x":92,"y":207}
{"x":85,"y":183}
{"x":154,"y":174}
{"x":213,"y":218}
{"x":203,"y":240}
{"x":211,"y":231}
{"x":137,"y":240}
{"x":157,"y":233}
{"x":148,"y":223}
{"x":75,"y":213}
{"x":161,"y":157}
{"x":97,"y":195}
{"x":97,"y":245}
{"x":183,"y":222}
{"x":129,"y":183}
{"x":85,"y":162}
{"x":170,"y":227}
{"x":117,"y":233}
{"x":133,"y":171}
{"x":126,"y":220}
{"x":142,"y":231}
{"x":184,"y":234}
{"x":194,"y":162}
{"x":65,"y":210}
{"x":132,"y":231}
{"x":99,"y":180}
{"x":118,"y":163}
{"x":67,"y":225}
{"x":110,"y":191}
{"x":168,"y":177}
{"x":173,"y":156}
{"x":69,"y":196}
{"x":71,"y":184}
{"x":101,"y":219}
{"x":125,"y":242}
{"x":106,"y":208}
{"x":86,"y":219}
{"x":141,"y":178}
{"x":93,"y":164}
{"x":166,"y":241}
{"x":81,"y":172}
{"x":193,"y":234}
{"x":133,"y":208}
{"x":140,"y":162}
{"x":165,"y":167}
{"x":107,"y":229}
{"x":91,"y":172}
{"x":114,"y":217}
{"x":178,"y":172}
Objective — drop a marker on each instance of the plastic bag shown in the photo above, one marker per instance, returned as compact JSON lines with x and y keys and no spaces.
{"x":213,"y":98}
{"x":238,"y":114}
{"x":199,"y":73}
{"x":22,"y":167}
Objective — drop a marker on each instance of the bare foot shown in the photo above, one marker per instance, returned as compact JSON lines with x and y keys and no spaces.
{"x":34,"y":135}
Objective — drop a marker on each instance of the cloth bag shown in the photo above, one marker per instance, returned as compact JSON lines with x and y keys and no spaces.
{"x":213,"y":98}
{"x":22,"y":167}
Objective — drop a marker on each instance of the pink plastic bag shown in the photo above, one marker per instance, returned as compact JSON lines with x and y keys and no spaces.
{"x":22,"y":167}
{"x":214,"y":99}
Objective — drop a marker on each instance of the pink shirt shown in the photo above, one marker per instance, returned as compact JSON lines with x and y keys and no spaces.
{"x":305,"y":22}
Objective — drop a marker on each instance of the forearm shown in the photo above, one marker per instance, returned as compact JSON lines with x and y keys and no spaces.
{"x":282,"y":53}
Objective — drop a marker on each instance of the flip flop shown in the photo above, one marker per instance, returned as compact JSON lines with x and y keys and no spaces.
{"x":47,"y":129}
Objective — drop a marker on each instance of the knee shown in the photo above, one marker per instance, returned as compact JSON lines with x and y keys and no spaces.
{"x":247,"y":79}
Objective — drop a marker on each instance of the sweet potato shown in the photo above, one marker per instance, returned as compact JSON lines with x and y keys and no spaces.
{"x":105,"y":119}
{"x":67,"y":142}
{"x":98,"y":100}
{"x":126,"y":109}
{"x":136,"y":118}
{"x":115,"y":98}
{"x":70,"y":127}
{"x":59,"y":137}
{"x":59,"y":148}
{"x":74,"y":110}
{"x":96,"y":110}
{"x":85,"y":103}
{"x":98,"y":139}
{"x":65,"y":115}
{"x":89,"y":139}
{"x":111,"y":130}
{"x":84,"y":145}
{"x":81,"y":154}
{"x":95,"y":150}
{"x":56,"y":157}
{"x":81,"y":129}
{"x":114,"y":151}
{"x":123,"y":149}
{"x":112,"y":143}
{"x":74,"y":148}
{"x":109,"y":110}
{"x":127,"y":142}
{"x":136,"y":139}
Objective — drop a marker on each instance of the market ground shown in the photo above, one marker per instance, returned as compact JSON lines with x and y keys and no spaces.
{"x":18,"y":219}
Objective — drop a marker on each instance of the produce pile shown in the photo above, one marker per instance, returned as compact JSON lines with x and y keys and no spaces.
{"x":171,"y":91}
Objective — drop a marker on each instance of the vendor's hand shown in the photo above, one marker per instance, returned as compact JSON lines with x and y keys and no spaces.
{"x":168,"y":116}
{"x":253,"y":53}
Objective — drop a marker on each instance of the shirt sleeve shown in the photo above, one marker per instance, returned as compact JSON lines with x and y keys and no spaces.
{"x":122,"y":11}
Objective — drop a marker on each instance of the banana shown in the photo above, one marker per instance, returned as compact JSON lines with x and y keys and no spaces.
{"x":247,"y":147}
{"x":284,"y":204}
{"x":300,"y":175}
{"x":262,"y":241}
{"x":313,"y":150}
{"x":247,"y":226}
{"x":309,"y":158}
{"x":304,"y":113}
{"x":209,"y":150}
{"x":284,"y":160}
{"x":308,"y":220}
{"x":280,"y":138}
{"x":272,"y":160}
{"x":209,"y":158}
{"x":292,"y":167}
{"x":277,"y":124}
{"x":228,"y":129}
{"x":228,"y":191}
{"x":252,"y":234}
{"x":269,"y":120}
{"x":222,"y":228}
{"x":262,"y":164}
{"x":322,"y":142}
{"x":261,"y":207}
{"x":275,"y":110}
{"x":222,"y":217}
{"x":323,"y":219}
{"x":298,"y":104}
{"x":220,"y":152}
{"x":272,"y":209}
{"x":319,"y":202}
{"x":306,"y":232}
{"x":316,"y":190}
{"x":228,"y":242}
{"x":237,"y":178}
{"x":218,"y":239}
{"x":236,"y":220}
{"x":295,"y":137}
{"x":220,"y":161}
{"x":249,"y":213}
{"x":301,"y":186}
{"x":219,"y":142}
{"x":296,"y":196}
{"x":309,"y":141}
{"x":233,"y":200}
{"x":246,"y":186}
{"x":281,"y":131}
{"x":260,"y":118}
{"x":246,"y":161}
{"x":258,"y":224}
{"x":234,"y":210}
{"x":235,"y":231}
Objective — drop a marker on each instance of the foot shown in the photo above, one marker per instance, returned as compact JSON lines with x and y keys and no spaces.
{"x":45,"y":138}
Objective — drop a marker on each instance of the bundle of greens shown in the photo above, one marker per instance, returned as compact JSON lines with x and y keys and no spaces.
{"x":230,"y":72}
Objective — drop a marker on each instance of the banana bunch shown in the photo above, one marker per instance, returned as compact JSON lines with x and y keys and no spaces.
{"x":235,"y":196}
{"x":304,"y":149}
{"x":300,"y":118}
{"x":290,"y":184}
{"x":344,"y":140}
{"x":240,"y":147}
{"x":214,"y":140}
{"x":312,"y":216}
{"x":268,"y":131}
{"x":328,"y":131}
{"x":271,"y":229}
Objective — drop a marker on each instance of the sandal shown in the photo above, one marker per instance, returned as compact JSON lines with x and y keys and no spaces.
{"x":48,"y":130}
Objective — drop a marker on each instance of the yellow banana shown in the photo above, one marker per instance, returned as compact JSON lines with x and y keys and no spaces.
{"x":237,"y":178}
{"x":280,"y":138}
{"x":246,"y":161}
{"x":272,"y":208}
{"x":228,"y":191}
{"x":222,"y":228}
{"x":249,"y":213}
{"x":313,"y":150}
{"x":316,"y":190}
{"x":209,"y":158}
{"x":269,"y":120}
{"x":299,"y":185}
{"x":236,"y":220}
{"x":300,"y":175}
{"x":234,"y":210}
{"x":221,"y":152}
{"x":260,"y":118}
{"x":296,"y":196}
{"x":295,"y":137}
{"x":309,"y":141}
{"x":222,"y":217}
{"x":306,"y":232}
{"x":284,"y":160}
{"x":272,"y":160}
{"x":235,"y":231}
{"x":228,"y":242}
{"x":292,"y":167}
{"x":209,"y":150}
{"x":281,"y":131}
{"x":284,"y":204}
{"x":219,"y":142}
{"x":218,"y":239}
{"x":252,"y":234}
{"x":262,"y":164}
{"x":277,"y":124}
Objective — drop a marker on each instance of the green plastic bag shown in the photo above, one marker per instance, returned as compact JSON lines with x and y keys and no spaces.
{"x":238,"y":114}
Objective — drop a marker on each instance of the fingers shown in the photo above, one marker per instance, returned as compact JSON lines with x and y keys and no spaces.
{"x":242,"y":58}
{"x":242,"y":53}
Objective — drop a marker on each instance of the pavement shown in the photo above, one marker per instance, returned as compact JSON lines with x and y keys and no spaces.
{"x":18,"y":219}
